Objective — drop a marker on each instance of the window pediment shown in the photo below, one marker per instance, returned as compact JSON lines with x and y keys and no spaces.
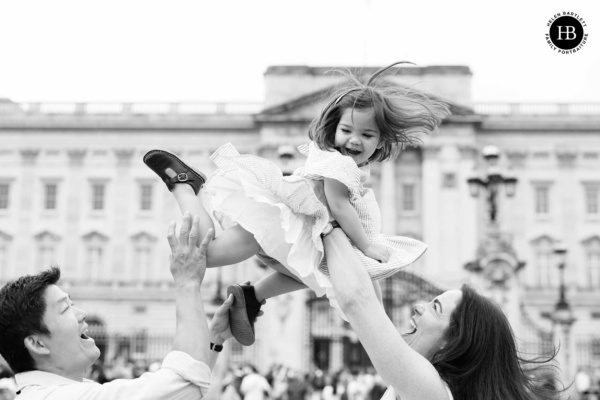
{"x":543,"y":240}
{"x":592,"y":242}
{"x":5,"y":237}
{"x":95,"y":236}
{"x":143,"y":237}
{"x":47,"y":236}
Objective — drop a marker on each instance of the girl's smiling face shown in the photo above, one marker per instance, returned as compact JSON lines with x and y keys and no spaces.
{"x":357,"y":135}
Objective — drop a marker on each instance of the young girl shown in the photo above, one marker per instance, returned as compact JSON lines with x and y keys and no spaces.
{"x":282,"y":219}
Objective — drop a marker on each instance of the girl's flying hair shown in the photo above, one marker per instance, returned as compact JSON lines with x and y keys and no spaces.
{"x":400,"y":112}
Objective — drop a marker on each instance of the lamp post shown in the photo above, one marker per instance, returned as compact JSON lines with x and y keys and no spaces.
{"x":562,"y":317}
{"x":562,"y":308}
{"x":492,"y":180}
{"x":496,"y":262}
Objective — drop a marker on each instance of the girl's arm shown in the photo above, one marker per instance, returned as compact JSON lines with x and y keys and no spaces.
{"x":343,"y":212}
{"x":410,"y":374}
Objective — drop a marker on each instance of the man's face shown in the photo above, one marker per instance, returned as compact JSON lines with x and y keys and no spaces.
{"x":71,"y":351}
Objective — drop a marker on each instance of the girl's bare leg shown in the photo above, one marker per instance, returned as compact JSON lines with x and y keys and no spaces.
{"x":276,"y":284}
{"x":232,"y":246}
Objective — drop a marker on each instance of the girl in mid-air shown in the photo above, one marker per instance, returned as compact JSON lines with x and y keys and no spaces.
{"x":282,"y":219}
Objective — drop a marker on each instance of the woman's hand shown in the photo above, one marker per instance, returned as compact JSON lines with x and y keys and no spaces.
{"x":377,"y":252}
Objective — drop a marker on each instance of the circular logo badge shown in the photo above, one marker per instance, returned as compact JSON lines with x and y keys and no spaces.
{"x":567,"y":32}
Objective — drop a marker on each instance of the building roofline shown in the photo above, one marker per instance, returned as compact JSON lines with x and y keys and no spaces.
{"x":406,"y":70}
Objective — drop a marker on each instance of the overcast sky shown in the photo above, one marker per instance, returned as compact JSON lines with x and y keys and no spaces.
{"x":183,"y":50}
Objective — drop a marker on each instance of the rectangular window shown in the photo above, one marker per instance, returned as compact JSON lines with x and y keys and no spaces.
{"x":142,"y":264}
{"x":593,"y":266}
{"x":4,"y":196}
{"x":145,"y":197}
{"x":46,"y":256}
{"x":98,"y":196}
{"x":592,"y":199}
{"x":50,"y":190}
{"x":408,"y":197}
{"x":547,"y":276}
{"x":542,"y":199}
{"x":94,"y":262}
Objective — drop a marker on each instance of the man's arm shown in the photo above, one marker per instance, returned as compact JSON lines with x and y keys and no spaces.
{"x":188,"y":266}
{"x":185,"y":372}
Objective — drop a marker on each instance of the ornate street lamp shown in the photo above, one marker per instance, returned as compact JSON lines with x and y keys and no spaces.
{"x":562,"y":311}
{"x":492,"y":180}
{"x":496,"y":262}
{"x":562,"y":318}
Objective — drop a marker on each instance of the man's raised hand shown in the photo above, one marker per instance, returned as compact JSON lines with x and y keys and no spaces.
{"x":188,"y":257}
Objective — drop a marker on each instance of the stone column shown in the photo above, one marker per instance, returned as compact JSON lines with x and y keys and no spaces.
{"x":431,"y":208}
{"x":76,"y":189}
{"x":387,"y":202}
{"x":568,"y":206}
{"x":336,"y":353}
{"x":25,"y":260}
{"x":122,"y":201}
{"x":469,"y":206}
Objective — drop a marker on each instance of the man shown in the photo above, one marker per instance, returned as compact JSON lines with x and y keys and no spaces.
{"x":43,"y":335}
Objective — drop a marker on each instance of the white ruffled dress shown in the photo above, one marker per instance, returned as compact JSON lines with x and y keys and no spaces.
{"x":286,"y":214}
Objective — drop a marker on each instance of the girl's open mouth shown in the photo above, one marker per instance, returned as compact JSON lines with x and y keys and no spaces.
{"x":353,"y":152}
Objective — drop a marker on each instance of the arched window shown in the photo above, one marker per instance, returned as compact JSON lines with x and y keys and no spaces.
{"x":591,"y":248}
{"x":47,"y":243}
{"x":142,"y":268}
{"x":94,"y":266}
{"x":546,"y":272}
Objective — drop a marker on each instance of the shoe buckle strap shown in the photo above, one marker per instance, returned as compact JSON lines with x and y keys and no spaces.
{"x":182,"y":177}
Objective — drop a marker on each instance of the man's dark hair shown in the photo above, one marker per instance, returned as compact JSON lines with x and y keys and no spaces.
{"x":22,"y":308}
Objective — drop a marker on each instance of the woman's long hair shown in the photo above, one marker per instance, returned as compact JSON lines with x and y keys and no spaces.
{"x":401,"y":113}
{"x":481,"y":360}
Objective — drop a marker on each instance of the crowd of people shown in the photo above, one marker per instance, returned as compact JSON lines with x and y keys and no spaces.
{"x":284,"y":383}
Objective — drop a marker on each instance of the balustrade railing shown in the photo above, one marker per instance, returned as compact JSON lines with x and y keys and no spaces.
{"x":232,"y":108}
{"x":537,"y":108}
{"x":126,"y":109}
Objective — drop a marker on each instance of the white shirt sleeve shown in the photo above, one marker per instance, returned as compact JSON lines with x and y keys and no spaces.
{"x":180,"y":377}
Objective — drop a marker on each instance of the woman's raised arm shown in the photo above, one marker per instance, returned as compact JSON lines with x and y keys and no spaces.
{"x":410,"y":374}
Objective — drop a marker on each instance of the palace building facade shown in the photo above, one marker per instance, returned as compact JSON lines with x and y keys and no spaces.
{"x":74,"y":192}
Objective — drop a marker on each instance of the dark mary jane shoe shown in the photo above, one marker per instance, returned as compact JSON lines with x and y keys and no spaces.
{"x":159,"y":160}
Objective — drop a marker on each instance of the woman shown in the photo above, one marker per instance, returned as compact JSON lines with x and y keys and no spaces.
{"x":461,"y":346}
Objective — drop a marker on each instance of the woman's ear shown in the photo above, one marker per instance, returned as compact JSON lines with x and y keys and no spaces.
{"x":35,"y":345}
